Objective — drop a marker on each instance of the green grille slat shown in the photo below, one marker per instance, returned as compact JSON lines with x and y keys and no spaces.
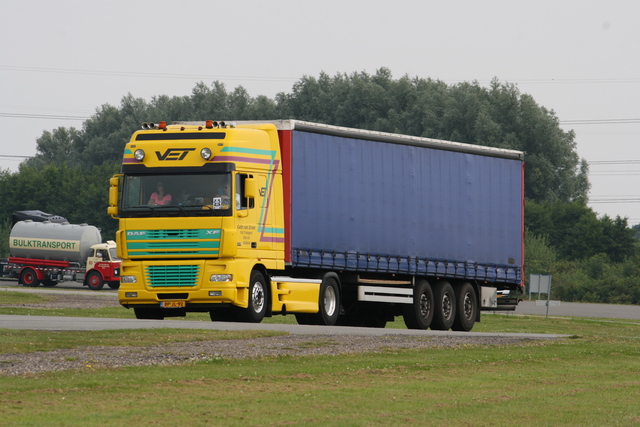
{"x":172,"y":275}
{"x":144,"y":243}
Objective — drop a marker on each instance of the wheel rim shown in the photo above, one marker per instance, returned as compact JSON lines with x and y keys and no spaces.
{"x":28,"y":278}
{"x":257,"y":297}
{"x":468,"y":306}
{"x":329,"y":300}
{"x":446,"y":305}
{"x":425,"y":306}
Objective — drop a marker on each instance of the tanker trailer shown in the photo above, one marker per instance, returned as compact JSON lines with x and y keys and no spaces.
{"x":47,"y":253}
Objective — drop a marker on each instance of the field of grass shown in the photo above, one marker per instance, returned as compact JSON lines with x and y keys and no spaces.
{"x":591,"y":378}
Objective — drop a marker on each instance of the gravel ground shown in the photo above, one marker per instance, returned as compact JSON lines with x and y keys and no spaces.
{"x":177,"y":353}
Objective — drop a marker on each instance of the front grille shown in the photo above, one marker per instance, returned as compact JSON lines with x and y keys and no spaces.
{"x":186,"y":242}
{"x":172,"y":275}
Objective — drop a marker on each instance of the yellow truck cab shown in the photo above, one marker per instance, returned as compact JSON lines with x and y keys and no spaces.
{"x":205,"y":240}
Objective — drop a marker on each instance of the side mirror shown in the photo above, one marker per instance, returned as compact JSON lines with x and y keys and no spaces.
{"x":114,"y":195}
{"x":250,"y":188}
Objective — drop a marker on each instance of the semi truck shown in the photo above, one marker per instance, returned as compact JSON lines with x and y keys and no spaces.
{"x":50,"y":252}
{"x":334,"y":225}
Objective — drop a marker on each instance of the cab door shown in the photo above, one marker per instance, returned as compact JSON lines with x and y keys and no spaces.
{"x":247,"y":217}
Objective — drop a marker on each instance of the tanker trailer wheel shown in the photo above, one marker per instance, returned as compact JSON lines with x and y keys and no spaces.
{"x":467,"y":304}
{"x":419,"y":315}
{"x":94,"y":281}
{"x":257,"y":308}
{"x":29,"y":278}
{"x":444,"y":312}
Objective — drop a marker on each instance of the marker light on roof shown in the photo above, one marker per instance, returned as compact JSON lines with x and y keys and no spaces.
{"x":162,"y":125}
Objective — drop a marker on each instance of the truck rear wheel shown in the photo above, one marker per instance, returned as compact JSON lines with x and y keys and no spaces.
{"x":467,"y":307}
{"x":257,"y":308}
{"x":49,"y":283}
{"x":419,"y":315}
{"x":94,"y":281}
{"x":114,"y":285}
{"x":444,"y":312}
{"x":29,"y":278}
{"x":328,"y":304}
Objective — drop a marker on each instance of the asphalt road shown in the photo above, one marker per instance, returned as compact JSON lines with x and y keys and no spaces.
{"x":76,"y":323}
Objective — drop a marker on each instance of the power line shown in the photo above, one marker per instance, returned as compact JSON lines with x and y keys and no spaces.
{"x":143,"y":74}
{"x":14,"y":157}
{"x":620,"y":200}
{"x":599,"y":122}
{"x":613,"y":162}
{"x":43,"y":116}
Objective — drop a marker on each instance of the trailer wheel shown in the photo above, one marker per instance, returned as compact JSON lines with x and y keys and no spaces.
{"x":467,"y":304}
{"x":148,"y":313}
{"x":94,"y":281}
{"x":419,"y":315}
{"x":29,"y":278}
{"x":257,"y":308}
{"x":444,"y":312}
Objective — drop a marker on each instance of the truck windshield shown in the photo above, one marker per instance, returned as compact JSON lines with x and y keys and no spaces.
{"x":177,"y":195}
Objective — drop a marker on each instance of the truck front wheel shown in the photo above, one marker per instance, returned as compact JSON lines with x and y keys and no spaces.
{"x":29,"y":278}
{"x":94,"y":281}
{"x":467,"y":304}
{"x":148,"y":313}
{"x":444,"y":312}
{"x":419,"y":315}
{"x":257,"y":308}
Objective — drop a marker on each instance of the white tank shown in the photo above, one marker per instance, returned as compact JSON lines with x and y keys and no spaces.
{"x":47,"y":240}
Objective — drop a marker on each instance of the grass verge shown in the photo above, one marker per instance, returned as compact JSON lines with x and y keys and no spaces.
{"x":591,"y":378}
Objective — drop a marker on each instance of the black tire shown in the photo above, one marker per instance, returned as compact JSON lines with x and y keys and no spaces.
{"x":148,"y":313}
{"x":94,"y":281}
{"x":226,"y":314}
{"x":328,"y":305}
{"x":258,"y":297}
{"x":114,"y":285}
{"x":419,"y":315}
{"x":329,"y":302}
{"x":444,"y":312}
{"x":48,"y":283}
{"x":29,"y":278}
{"x":467,"y":307}
{"x":306,"y":319}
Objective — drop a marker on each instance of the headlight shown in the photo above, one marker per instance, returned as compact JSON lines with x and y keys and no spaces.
{"x":205,"y":153}
{"x":221,"y":278}
{"x":139,"y":155}
{"x":128,"y":279}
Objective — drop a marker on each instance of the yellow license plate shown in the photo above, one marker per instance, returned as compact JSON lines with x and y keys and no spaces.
{"x":173,"y":304}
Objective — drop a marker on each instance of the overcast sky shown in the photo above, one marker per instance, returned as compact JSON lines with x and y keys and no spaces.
{"x":60,"y":60}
